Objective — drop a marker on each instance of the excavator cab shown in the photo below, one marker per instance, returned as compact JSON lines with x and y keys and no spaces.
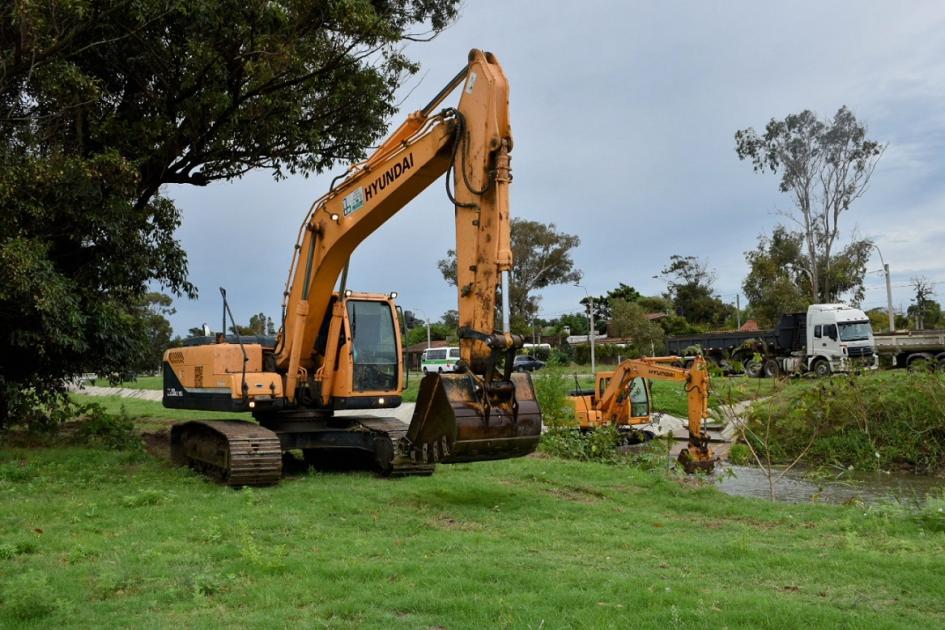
{"x":459,"y":417}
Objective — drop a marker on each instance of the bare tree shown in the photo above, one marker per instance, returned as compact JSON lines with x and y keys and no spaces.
{"x":923,"y":293}
{"x":825,"y":165}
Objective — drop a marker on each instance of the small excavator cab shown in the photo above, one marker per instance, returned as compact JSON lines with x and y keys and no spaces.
{"x":639,"y":398}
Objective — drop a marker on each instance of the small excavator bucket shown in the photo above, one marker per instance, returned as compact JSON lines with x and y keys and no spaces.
{"x":463,"y":418}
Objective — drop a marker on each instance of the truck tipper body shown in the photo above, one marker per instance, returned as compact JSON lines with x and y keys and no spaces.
{"x":827,"y":338}
{"x":911,"y":348}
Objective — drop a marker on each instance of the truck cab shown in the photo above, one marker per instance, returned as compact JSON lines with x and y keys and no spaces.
{"x":839,"y":338}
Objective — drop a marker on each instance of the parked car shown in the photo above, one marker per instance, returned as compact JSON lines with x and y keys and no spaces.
{"x":525,"y":363}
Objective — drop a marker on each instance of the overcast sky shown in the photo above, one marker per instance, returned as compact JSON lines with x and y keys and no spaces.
{"x":623,"y":115}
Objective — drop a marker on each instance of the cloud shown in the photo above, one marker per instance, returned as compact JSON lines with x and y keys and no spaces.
{"x":624,"y":116}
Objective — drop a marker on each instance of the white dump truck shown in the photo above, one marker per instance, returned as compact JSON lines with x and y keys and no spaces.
{"x":827,"y":338}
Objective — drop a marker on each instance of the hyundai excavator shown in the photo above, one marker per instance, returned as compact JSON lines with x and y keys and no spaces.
{"x":341,"y":349}
{"x":622,"y":398}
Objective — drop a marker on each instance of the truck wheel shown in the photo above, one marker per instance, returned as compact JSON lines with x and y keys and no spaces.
{"x":772,"y":368}
{"x":921,"y":363}
{"x":821,"y":368}
{"x":940,"y":362}
{"x":754,"y":369}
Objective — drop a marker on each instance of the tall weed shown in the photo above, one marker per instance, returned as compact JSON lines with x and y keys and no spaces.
{"x":871,"y":422}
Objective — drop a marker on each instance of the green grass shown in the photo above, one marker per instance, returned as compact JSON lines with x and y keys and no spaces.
{"x":150,"y":409}
{"x":96,"y":538}
{"x":155,"y":381}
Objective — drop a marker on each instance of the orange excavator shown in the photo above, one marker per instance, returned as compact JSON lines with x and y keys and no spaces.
{"x":338,"y":349}
{"x":622,"y":398}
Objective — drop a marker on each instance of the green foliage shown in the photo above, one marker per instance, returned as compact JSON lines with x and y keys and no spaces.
{"x":552,"y":385}
{"x":825,"y":165}
{"x":629,"y":320}
{"x":103,"y":104}
{"x":603,"y":303}
{"x":100,"y":428}
{"x":689,"y":287}
{"x":577,"y":323}
{"x":775,"y":284}
{"x":932,"y":514}
{"x":541,"y":257}
{"x":153,"y":313}
{"x":871,"y":422}
{"x":599,"y":445}
{"x":561,"y":356}
{"x":259,"y":324}
{"x":740,"y":455}
{"x":924,"y":313}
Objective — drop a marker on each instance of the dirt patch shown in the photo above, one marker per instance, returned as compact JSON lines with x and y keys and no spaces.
{"x":158,"y":443}
{"x":444,"y":521}
{"x":570,"y":492}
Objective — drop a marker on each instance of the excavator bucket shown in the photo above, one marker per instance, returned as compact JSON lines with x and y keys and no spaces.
{"x":463,"y":418}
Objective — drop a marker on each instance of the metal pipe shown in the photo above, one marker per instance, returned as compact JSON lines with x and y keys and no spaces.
{"x":344,"y":278}
{"x":506,"y":328}
{"x":889,"y":305}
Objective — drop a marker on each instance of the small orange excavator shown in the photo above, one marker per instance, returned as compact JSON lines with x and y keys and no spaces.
{"x":341,"y":350}
{"x":622,"y":398}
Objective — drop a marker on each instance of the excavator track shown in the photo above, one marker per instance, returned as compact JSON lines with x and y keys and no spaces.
{"x":231,"y":452}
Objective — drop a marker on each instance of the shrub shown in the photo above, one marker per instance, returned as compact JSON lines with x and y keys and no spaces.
{"x":551,"y":388}
{"x":870,"y":422}
{"x":100,"y":428}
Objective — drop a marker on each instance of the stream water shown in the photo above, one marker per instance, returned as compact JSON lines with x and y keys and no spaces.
{"x":798,"y":487}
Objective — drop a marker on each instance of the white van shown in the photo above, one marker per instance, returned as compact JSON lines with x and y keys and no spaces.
{"x":439,"y":360}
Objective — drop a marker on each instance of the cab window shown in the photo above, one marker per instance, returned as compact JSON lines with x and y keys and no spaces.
{"x":374,"y":346}
{"x":639,"y":399}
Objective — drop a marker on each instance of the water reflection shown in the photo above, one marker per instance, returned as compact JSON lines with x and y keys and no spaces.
{"x":798,"y":487}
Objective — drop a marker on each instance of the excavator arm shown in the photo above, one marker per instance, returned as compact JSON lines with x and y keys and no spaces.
{"x":474,"y":140}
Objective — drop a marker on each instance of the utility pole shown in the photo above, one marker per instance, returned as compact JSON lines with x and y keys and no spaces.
{"x":592,"y":331}
{"x":889,"y":304}
{"x":738,"y":311}
{"x":426,"y":320}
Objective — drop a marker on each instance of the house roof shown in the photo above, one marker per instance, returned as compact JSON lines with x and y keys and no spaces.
{"x":750,"y":326}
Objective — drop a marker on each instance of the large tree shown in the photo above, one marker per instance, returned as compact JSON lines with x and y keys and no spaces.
{"x":778,"y":280}
{"x":104,"y":102}
{"x":541,"y":257}
{"x":629,"y":320}
{"x":689,"y":285}
{"x":602,"y":308}
{"x":825,"y":165}
{"x":925,"y":312}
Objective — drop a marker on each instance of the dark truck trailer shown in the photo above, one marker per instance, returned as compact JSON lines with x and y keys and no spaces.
{"x":827,"y":338}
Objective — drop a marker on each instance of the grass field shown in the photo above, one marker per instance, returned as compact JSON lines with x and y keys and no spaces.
{"x":95,"y":538}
